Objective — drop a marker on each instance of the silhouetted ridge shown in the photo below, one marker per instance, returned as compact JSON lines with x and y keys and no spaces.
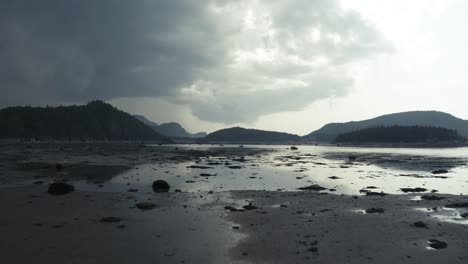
{"x":416,"y":118}
{"x":95,"y":121}
{"x":238,"y":134}
{"x":400,"y":134}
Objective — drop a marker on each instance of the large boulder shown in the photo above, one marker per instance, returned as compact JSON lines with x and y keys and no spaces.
{"x":161,"y":186}
{"x":60,"y":188}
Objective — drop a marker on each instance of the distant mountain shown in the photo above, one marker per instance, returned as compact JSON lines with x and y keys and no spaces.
{"x":400,"y":134}
{"x":199,"y":135}
{"x":243,"y":135}
{"x":329,"y":132}
{"x":146,"y":120}
{"x":94,"y":121}
{"x":172,"y":129}
{"x":176,"y":130}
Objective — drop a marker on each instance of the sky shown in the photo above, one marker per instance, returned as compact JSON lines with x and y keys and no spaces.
{"x":286,"y":65}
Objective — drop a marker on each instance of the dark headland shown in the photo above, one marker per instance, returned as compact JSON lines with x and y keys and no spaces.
{"x":94,"y":121}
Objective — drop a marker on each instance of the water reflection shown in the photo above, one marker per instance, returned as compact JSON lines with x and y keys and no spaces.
{"x":385,"y":170}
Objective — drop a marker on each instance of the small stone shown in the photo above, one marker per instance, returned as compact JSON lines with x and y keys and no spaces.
{"x":432,"y":197}
{"x":419,"y":224}
{"x":440,"y":172}
{"x":145,"y":205}
{"x":313,"y":187}
{"x":375,"y":210}
{"x":60,"y":188}
{"x":110,"y":219}
{"x":417,"y":189}
{"x":250,"y":206}
{"x":437,"y":244}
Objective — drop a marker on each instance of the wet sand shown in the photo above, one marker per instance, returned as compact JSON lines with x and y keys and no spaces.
{"x":196,"y":227}
{"x":326,"y":228}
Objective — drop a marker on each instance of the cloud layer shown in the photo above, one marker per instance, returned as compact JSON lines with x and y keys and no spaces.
{"x":229,"y":61}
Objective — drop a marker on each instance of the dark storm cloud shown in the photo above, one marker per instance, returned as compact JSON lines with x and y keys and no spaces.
{"x":229,"y":61}
{"x":54,"y":50}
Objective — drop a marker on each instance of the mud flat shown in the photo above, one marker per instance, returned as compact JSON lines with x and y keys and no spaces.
{"x":104,"y":220}
{"x":308,"y":227}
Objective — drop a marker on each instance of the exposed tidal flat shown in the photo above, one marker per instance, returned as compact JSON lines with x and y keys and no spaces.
{"x":232,"y":204}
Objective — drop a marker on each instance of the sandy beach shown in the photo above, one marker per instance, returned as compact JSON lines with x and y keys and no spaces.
{"x":100,"y":225}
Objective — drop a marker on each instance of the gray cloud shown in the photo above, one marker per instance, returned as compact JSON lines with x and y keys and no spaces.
{"x":230,"y":61}
{"x":55,"y":50}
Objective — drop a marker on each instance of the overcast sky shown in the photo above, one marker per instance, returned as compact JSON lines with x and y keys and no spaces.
{"x":290,"y":65}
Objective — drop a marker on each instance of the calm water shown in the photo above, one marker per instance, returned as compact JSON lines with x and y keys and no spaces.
{"x":351,"y":169}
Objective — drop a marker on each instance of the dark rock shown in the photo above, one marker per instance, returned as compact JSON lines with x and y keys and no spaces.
{"x":437,"y":244}
{"x":38,"y":182}
{"x":132,"y":190}
{"x":199,"y":167}
{"x":58,"y":166}
{"x":375,"y":211}
{"x":110,"y":219}
{"x":161,"y":186}
{"x":250,"y":207}
{"x":440,"y":172}
{"x":464,"y":215}
{"x":312,"y":249}
{"x":419,"y":224}
{"x":60,"y":188}
{"x":375,"y":194}
{"x":294,"y":148}
{"x":334,"y":178}
{"x":313,"y":187}
{"x":235,"y":167}
{"x":417,"y":189}
{"x":207,"y":174}
{"x":145,"y":205}
{"x":457,"y":205}
{"x":432,"y":197}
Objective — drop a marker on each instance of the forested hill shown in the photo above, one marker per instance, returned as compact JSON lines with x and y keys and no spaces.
{"x":400,"y":134}
{"x":414,"y":118}
{"x":238,"y":134}
{"x":94,"y":121}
